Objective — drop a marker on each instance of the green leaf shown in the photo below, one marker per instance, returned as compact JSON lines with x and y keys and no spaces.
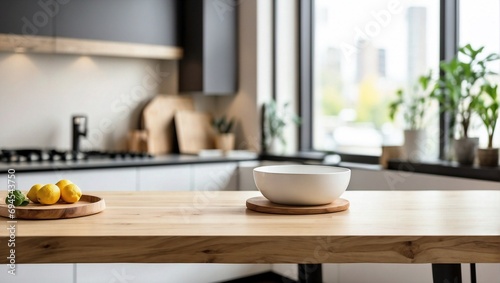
{"x":276,"y":118}
{"x":492,"y":57}
{"x":222,"y":125}
{"x":16,"y":198}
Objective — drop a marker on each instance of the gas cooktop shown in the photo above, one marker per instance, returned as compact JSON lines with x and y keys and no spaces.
{"x":51,"y":155}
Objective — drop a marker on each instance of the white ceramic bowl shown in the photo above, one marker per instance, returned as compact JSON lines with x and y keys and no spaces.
{"x":301,"y":184}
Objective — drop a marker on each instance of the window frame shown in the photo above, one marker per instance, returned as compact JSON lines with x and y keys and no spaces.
{"x":448,"y":47}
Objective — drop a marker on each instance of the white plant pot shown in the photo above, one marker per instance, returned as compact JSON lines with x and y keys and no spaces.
{"x":275,"y":147}
{"x":465,"y":150}
{"x":414,"y":146}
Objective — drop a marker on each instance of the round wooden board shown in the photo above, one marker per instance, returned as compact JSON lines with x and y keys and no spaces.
{"x":87,"y":205}
{"x":261,"y":204}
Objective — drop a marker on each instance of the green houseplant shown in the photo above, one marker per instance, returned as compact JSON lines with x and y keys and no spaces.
{"x":487,"y":106}
{"x":275,"y":120}
{"x":413,"y":109}
{"x":224,"y":139}
{"x":458,"y":88}
{"x":412,"y":106}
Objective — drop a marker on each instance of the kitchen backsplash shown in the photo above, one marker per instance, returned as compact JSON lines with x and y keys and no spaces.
{"x":39,"y":93}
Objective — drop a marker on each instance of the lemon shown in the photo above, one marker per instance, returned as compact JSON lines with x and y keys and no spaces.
{"x":71,"y":193}
{"x":48,"y":194}
{"x":33,"y":191}
{"x":63,"y":183}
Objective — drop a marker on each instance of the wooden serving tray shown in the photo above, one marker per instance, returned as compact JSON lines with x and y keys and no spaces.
{"x":87,"y":205}
{"x":261,"y":204}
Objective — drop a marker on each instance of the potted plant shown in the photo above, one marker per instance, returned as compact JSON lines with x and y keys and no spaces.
{"x":224,"y":139}
{"x":274,"y":122}
{"x":413,"y":108}
{"x":458,"y":87}
{"x":487,"y":107}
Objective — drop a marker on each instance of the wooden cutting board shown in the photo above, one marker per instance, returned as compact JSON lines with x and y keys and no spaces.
{"x":87,"y":205}
{"x":261,"y":204}
{"x":194,"y":131}
{"x":158,"y":121}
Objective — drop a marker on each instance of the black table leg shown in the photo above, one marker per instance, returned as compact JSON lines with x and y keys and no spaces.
{"x":446,"y":273}
{"x":310,"y":273}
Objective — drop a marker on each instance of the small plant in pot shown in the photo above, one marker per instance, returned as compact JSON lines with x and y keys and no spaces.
{"x":413,"y":108}
{"x":458,"y":88}
{"x":224,"y":139}
{"x":275,"y":120}
{"x":487,"y":107}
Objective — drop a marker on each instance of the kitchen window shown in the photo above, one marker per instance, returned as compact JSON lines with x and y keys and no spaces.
{"x":476,"y":25}
{"x":361,"y":52}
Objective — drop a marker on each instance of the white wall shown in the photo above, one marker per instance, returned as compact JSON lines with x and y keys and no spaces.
{"x":40,"y":92}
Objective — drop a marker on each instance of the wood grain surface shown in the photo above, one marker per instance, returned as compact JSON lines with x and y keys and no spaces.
{"x":117,"y":49}
{"x":87,"y":205}
{"x":63,"y":45}
{"x":27,"y":43}
{"x":262,"y":204}
{"x":194,"y":131}
{"x":215,"y":226}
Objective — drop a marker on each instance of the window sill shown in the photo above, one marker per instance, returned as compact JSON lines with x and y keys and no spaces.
{"x":442,"y":168}
{"x":446,"y":168}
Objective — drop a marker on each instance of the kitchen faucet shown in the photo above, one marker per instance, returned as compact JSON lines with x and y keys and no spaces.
{"x":79,"y":129}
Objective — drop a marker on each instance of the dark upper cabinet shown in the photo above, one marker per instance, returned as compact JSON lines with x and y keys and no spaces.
{"x":209,"y":40}
{"x":123,"y":28}
{"x":137,"y":21}
{"x":28,"y":17}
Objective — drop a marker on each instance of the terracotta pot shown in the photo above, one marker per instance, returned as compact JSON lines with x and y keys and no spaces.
{"x":465,"y":150}
{"x":488,"y":157}
{"x":414,"y":146}
{"x":225,"y":142}
{"x":391,"y":152}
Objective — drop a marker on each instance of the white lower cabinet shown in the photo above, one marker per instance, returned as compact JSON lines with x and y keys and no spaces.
{"x":365,"y":179}
{"x":165,"y":178}
{"x":215,"y":177}
{"x":39,"y":273}
{"x":161,"y":273}
{"x":488,"y":272}
{"x":109,"y":179}
{"x":245,"y":173}
{"x":387,"y":273}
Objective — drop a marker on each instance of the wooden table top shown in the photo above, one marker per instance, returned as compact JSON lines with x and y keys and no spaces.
{"x":213,"y":226}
